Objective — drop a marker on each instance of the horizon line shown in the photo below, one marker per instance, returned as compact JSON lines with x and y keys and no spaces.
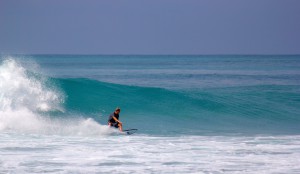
{"x":70,"y":54}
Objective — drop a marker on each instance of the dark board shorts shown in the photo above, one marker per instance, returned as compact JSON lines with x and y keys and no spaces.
{"x":114,"y":125}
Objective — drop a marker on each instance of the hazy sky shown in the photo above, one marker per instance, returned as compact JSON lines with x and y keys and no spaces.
{"x":150,"y":26}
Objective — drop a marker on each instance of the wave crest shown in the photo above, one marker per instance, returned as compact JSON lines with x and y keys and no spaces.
{"x":25,"y":96}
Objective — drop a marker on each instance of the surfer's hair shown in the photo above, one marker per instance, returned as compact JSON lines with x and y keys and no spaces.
{"x":118,"y":109}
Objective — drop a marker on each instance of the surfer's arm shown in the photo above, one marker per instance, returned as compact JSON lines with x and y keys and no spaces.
{"x":116,"y":120}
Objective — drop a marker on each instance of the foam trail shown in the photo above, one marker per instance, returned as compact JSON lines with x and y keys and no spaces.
{"x":24,"y":96}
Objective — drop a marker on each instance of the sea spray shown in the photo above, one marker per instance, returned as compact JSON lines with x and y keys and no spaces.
{"x":20,"y":91}
{"x":25,"y":100}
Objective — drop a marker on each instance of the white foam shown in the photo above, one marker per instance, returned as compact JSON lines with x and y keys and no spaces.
{"x":24,"y":96}
{"x":145,"y":154}
{"x":18,"y":90}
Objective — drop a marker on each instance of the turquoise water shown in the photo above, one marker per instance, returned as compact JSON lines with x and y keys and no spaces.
{"x":255,"y":109}
{"x":182,"y":94}
{"x":229,"y":108}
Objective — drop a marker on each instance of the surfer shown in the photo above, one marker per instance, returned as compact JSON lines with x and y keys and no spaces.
{"x":113,"y":119}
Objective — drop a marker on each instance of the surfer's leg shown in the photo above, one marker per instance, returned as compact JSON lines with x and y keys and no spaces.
{"x":120,"y":127}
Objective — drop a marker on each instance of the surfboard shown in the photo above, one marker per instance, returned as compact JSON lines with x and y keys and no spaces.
{"x":130,"y":131}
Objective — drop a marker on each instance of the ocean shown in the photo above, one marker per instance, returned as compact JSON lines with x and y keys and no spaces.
{"x":194,"y":114}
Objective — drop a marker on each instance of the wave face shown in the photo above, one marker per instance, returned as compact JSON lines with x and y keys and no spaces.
{"x":259,"y":109}
{"x":36,"y":103}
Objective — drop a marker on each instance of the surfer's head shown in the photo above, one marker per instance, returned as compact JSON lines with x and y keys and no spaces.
{"x":118,"y":110}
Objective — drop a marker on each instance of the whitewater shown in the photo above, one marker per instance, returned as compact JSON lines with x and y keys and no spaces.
{"x":195,"y":114}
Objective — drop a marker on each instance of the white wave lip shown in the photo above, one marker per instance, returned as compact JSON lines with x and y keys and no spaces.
{"x":19,"y":91}
{"x":23,"y":96}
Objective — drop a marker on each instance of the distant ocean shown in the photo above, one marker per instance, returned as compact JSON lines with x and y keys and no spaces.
{"x":194,"y":114}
